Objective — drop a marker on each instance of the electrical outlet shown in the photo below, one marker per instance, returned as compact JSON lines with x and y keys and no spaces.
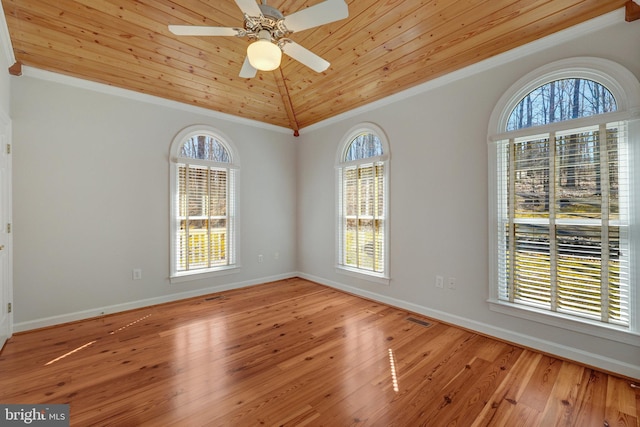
{"x":260,"y":258}
{"x":137,"y":274}
{"x":439,"y":282}
{"x":451,"y":283}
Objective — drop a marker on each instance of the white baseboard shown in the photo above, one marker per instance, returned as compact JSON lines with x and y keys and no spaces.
{"x":101,"y":311}
{"x":548,"y":347}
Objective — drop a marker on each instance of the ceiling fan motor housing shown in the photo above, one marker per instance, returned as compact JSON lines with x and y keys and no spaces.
{"x":272,"y":20}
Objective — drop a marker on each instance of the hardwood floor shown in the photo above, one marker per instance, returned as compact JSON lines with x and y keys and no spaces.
{"x":296,"y":353}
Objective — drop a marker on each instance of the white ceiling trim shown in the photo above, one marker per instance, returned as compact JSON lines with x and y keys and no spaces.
{"x":143,"y":97}
{"x":542,"y":44}
{"x":5,"y":39}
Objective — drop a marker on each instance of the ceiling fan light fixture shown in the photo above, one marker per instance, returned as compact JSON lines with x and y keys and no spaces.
{"x":265,"y":26}
{"x":263,"y":54}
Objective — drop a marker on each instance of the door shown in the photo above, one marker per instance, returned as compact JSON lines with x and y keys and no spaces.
{"x":6,"y":241}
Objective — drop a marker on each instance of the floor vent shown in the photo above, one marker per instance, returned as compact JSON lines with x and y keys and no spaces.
{"x":214,"y":298}
{"x":419,"y":321}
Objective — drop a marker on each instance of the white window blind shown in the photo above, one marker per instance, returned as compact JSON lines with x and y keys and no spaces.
{"x":564,"y":228}
{"x":204,"y":224}
{"x":363,"y":221}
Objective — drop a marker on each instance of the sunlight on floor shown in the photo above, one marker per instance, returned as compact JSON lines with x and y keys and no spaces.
{"x":69,"y":353}
{"x":394,"y":376}
{"x":130,"y":324}
{"x":91,"y":342}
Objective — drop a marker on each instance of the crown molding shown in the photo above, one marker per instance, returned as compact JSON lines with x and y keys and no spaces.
{"x":5,"y":40}
{"x":37,"y":73}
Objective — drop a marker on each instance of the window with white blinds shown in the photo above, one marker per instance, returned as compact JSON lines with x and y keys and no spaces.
{"x":362,"y":203}
{"x":564,"y":227}
{"x":203,"y":204}
{"x":562,"y":198}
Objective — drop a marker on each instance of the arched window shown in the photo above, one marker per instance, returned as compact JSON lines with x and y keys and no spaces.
{"x":363,"y":170}
{"x":561,"y":100}
{"x":203,"y":203}
{"x":561,"y":182}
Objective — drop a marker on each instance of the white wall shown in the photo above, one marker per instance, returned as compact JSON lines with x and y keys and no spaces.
{"x":5,"y":89}
{"x":438,"y":208}
{"x":91,"y":202}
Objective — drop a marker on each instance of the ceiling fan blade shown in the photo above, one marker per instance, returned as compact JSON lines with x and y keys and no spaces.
{"x":247,"y":71}
{"x":249,"y":7}
{"x":304,"y":56}
{"x":195,"y":30}
{"x":320,"y":14}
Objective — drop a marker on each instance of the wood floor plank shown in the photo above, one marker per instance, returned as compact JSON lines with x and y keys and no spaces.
{"x":538,"y":390}
{"x":475,"y":394}
{"x":562,"y":399}
{"x":620,"y":406}
{"x":591,"y":403}
{"x":296,"y":353}
{"x":505,"y":400}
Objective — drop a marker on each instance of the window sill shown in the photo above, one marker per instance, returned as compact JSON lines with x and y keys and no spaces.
{"x":203,"y":274}
{"x":364,"y":275}
{"x":559,"y":320}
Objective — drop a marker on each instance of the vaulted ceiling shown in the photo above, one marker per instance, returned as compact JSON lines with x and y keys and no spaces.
{"x":383,"y":47}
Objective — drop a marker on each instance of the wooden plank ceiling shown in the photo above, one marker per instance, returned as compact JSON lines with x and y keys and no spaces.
{"x":382,"y":48}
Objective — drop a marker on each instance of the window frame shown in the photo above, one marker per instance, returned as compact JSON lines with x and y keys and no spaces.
{"x":625,"y":88}
{"x":233,"y":167}
{"x":341,"y":164}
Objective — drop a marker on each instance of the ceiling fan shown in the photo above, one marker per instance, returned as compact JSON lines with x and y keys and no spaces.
{"x":270,"y":28}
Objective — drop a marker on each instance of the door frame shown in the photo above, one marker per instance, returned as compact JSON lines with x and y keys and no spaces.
{"x":6,"y":235}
